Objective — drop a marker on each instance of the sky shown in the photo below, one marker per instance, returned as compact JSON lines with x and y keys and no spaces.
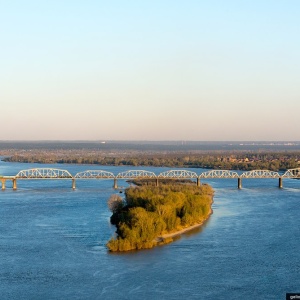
{"x":150,"y":70}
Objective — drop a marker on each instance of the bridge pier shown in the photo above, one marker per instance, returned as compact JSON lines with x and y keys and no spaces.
{"x":73,"y":184}
{"x":115,"y":183}
{"x":198,"y":181}
{"x":280,"y":185}
{"x":3,"y":184}
{"x":239,"y":183}
{"x":156,"y":182}
{"x":14,"y":181}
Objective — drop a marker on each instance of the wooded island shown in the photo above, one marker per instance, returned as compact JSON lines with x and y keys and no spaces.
{"x":149,"y":213}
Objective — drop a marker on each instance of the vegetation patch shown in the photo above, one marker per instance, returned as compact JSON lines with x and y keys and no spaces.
{"x":219,"y":160}
{"x":148,"y":213}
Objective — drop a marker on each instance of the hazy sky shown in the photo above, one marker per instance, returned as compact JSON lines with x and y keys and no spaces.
{"x":150,"y":70}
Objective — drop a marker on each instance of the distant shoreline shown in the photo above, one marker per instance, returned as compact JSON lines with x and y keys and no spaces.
{"x":218,"y":161}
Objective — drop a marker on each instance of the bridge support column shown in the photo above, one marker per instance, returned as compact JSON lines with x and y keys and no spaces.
{"x":280,"y":185}
{"x":156,"y":182}
{"x":198,"y":181}
{"x":73,"y":184}
{"x":14,"y":181}
{"x":115,"y":183}
{"x":3,"y":184}
{"x":239,"y":183}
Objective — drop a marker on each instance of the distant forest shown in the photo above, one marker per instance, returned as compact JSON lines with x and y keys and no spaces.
{"x":277,"y":156}
{"x":240,"y":161}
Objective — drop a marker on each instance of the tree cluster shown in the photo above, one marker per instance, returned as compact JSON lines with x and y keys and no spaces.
{"x":149,"y":212}
{"x":277,"y":161}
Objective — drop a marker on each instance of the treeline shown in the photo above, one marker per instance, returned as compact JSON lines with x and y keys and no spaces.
{"x":242,"y":161}
{"x":148,"y":212}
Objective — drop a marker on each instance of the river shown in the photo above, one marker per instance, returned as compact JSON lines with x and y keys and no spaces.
{"x":52,"y":243}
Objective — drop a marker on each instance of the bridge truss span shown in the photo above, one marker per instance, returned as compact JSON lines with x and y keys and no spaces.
{"x":260,"y":174}
{"x":44,"y":173}
{"x":178,"y":174}
{"x":292,"y":173}
{"x":51,"y":173}
{"x":131,"y":174}
{"x":219,"y":174}
{"x":94,"y":174}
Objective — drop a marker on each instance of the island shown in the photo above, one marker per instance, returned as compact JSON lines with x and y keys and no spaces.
{"x":149,"y":216}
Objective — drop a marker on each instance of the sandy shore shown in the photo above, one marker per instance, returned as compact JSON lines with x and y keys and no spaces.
{"x":176,"y":233}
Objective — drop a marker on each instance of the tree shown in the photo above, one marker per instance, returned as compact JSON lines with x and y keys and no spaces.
{"x":115,"y":203}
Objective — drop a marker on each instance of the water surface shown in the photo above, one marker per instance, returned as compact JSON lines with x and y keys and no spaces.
{"x":52,"y":243}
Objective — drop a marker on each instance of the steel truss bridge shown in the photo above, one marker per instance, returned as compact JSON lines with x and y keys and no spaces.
{"x":59,"y":174}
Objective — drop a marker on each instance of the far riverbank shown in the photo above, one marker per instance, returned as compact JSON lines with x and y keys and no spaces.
{"x":222,"y":158}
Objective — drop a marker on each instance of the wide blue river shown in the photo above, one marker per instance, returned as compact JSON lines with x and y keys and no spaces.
{"x":52,"y":243}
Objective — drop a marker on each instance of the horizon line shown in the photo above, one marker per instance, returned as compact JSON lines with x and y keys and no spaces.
{"x":151,"y":140}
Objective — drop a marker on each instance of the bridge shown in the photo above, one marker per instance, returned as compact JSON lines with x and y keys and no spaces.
{"x":59,"y":174}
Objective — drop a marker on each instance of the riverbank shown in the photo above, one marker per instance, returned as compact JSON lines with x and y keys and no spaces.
{"x":215,"y":159}
{"x":168,"y":237}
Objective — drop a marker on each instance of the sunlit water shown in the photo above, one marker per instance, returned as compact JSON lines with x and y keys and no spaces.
{"x":52,"y":243}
